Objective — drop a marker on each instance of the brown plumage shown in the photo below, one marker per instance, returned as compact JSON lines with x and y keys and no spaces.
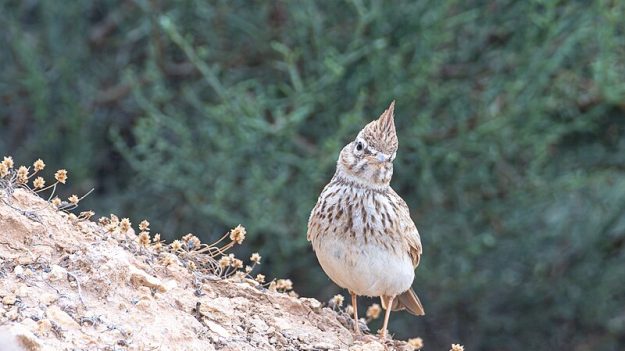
{"x":361,"y":229}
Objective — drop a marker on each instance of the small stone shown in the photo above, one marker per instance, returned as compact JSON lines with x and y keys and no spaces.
{"x":61,"y":317}
{"x":44,"y":326}
{"x":139,"y":277}
{"x":57,"y":273}
{"x":47,"y":298}
{"x":259,"y":324}
{"x":18,"y":270}
{"x":216,"y":328}
{"x":314,"y":304}
{"x":22,"y":290}
{"x":9,"y":300}
{"x":145,"y":304}
{"x":12,"y":314}
{"x":323,"y":346}
{"x":282,"y":323}
{"x":24,"y":260}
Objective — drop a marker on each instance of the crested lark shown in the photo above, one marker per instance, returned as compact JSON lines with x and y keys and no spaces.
{"x":361,"y":229}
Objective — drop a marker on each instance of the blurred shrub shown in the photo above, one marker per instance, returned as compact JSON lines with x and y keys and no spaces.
{"x":202,"y":116}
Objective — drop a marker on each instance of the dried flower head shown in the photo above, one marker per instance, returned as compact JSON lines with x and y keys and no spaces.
{"x":337,"y":300}
{"x":224,"y":262}
{"x":72,"y":217}
{"x":176,"y":245}
{"x":456,"y":347}
{"x":56,"y":202}
{"x":191,"y":265}
{"x":192,"y":241}
{"x":8,"y":162}
{"x":22,"y":175}
{"x":248,"y":269}
{"x":144,"y":226}
{"x":237,"y":263}
{"x":238,"y":234}
{"x":167,"y":259}
{"x":416,"y":343}
{"x":124,"y":225}
{"x":157,"y":246}
{"x":284,"y":284}
{"x":157,"y":237}
{"x":349,"y":309}
{"x":61,"y":176}
{"x":4,"y":170}
{"x":255,"y":258}
{"x":39,"y":183}
{"x":39,"y":165}
{"x":111,"y":227}
{"x":373,"y":311}
{"x":238,"y":275}
{"x":144,"y":238}
{"x":104,"y":220}
{"x":260,"y":278}
{"x":73,"y":199}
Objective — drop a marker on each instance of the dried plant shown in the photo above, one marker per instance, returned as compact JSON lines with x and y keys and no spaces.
{"x":416,"y":343}
{"x":456,"y":347}
{"x":373,"y":312}
{"x":12,"y":178}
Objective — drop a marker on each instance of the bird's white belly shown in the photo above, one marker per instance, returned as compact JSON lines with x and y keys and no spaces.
{"x":364,"y":269}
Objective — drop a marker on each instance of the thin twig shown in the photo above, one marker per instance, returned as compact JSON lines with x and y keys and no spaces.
{"x":79,"y":288}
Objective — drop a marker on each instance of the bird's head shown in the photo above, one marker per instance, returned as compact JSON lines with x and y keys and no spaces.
{"x":370,"y":156}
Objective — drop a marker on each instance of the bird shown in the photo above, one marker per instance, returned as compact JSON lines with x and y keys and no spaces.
{"x":360,"y":228}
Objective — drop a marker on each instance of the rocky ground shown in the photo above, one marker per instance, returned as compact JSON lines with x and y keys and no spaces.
{"x":69,"y":283}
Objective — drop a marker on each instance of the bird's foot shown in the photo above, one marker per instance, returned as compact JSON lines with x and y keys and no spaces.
{"x":383,"y":336}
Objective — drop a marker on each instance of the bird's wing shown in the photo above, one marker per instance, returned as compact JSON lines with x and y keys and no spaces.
{"x":315,"y":220}
{"x":410,"y":234}
{"x":312,"y":226}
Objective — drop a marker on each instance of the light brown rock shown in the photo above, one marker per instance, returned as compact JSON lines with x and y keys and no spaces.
{"x":61,"y":317}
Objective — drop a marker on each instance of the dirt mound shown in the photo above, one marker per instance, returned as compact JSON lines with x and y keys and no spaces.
{"x":68,"y":284}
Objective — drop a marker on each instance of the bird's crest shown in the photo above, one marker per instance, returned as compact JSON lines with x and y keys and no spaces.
{"x":380,"y":134}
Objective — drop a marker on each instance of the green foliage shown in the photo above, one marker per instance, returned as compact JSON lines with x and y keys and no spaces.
{"x":203,"y":116}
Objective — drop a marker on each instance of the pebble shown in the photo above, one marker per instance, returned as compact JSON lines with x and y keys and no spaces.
{"x":323,"y":346}
{"x":12,"y":314}
{"x":44,"y":326}
{"x":9,"y":300}
{"x":24,"y":260}
{"x":57,"y":273}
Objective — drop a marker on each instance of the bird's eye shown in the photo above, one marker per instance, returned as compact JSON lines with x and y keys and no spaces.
{"x":359,"y":146}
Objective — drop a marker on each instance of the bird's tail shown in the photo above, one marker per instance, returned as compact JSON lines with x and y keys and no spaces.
{"x":407,"y":300}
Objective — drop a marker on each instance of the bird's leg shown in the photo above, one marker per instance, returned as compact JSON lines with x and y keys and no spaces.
{"x":387,"y":314}
{"x":355,"y":305}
